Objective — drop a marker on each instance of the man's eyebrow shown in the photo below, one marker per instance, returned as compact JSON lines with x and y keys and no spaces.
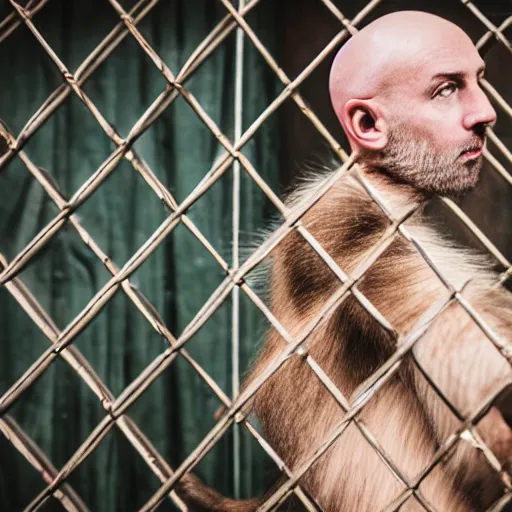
{"x":456,"y":76}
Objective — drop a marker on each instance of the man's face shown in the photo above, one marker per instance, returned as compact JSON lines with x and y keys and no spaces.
{"x":437,"y":114}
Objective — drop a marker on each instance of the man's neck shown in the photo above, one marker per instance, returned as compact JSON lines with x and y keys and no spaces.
{"x":397,"y":198}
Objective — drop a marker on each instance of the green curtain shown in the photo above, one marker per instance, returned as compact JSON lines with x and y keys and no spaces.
{"x":59,"y":410}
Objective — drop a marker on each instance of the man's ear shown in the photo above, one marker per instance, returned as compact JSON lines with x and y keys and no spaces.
{"x":366,"y":124}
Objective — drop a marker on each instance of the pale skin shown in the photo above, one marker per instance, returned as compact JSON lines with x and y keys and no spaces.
{"x":406,"y":91}
{"x":418,"y":69}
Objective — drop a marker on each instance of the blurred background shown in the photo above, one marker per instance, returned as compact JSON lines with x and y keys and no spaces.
{"x":59,"y":411}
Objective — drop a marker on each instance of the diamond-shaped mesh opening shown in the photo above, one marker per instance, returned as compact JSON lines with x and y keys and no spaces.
{"x":212,"y":216}
{"x":492,"y":184}
{"x":31,"y":81}
{"x":455,"y":230}
{"x":172,"y":132}
{"x":495,"y":11}
{"x":208,"y":88}
{"x":57,"y":435}
{"x":167,"y":360}
{"x":113,"y":74}
{"x":72,"y":47}
{"x":161,"y":411}
{"x":115,"y":200}
{"x":21,"y":188}
{"x":302,"y":142}
{"x":494,"y":56}
{"x":67,"y":171}
{"x":118,"y":366}
{"x":298,"y":43}
{"x":65,"y":263}
{"x":213,"y":340}
{"x":20,"y":480}
{"x":169,"y":289}
{"x":164,"y":27}
{"x":99,"y":474}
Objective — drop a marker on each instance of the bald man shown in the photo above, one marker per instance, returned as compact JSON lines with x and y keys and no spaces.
{"x":406,"y":92}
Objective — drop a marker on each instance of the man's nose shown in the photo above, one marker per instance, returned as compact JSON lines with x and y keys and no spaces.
{"x":479,"y":111}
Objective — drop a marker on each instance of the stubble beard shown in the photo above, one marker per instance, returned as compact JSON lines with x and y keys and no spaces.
{"x":412,"y":158}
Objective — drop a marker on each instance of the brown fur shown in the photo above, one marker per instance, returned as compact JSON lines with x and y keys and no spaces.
{"x":406,"y":416}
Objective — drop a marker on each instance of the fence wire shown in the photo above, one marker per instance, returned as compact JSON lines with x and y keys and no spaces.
{"x":61,"y":341}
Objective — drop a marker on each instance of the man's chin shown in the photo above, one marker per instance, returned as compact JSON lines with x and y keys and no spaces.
{"x":461,"y":192}
{"x":462,"y":185}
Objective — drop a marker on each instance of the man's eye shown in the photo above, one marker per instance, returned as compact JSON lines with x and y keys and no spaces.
{"x":446,"y":90}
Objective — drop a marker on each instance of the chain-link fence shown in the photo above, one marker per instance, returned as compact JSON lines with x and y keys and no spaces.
{"x":231,"y":160}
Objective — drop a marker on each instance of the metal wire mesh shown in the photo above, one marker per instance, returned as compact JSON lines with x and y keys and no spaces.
{"x":61,"y":342}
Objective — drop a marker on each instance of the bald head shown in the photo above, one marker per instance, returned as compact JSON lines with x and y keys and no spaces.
{"x":384,"y":53}
{"x":416,"y":75}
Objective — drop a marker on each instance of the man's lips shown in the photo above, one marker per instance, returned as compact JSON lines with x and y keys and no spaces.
{"x":471,"y":153}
